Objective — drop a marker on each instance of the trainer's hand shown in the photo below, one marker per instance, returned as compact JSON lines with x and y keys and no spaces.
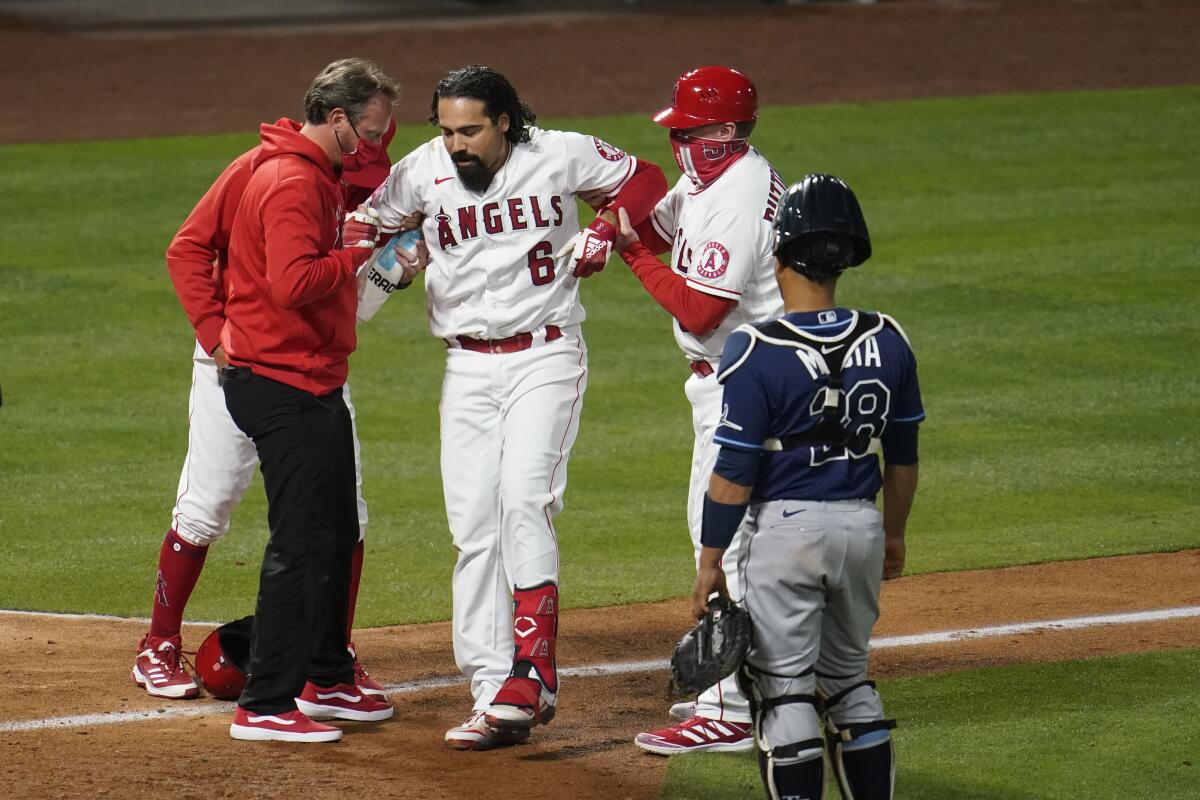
{"x":590,"y":248}
{"x":361,"y":229}
{"x":627,"y":235}
{"x":219,"y":356}
{"x":893,"y":557}
{"x":710,"y":577}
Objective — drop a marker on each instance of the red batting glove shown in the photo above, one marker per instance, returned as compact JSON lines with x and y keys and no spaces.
{"x":592,"y":247}
{"x":361,"y":229}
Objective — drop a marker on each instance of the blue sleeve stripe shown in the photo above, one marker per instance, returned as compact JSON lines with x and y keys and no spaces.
{"x":917,"y":418}
{"x":736,"y":443}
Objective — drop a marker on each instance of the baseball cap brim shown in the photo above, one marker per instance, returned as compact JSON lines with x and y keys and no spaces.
{"x":671,"y":117}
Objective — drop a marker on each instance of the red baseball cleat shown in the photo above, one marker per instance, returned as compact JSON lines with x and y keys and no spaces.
{"x":342,"y":701}
{"x":293,"y":726}
{"x":698,"y":735}
{"x":159,"y":670}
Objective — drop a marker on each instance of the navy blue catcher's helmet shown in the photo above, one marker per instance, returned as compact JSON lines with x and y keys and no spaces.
{"x":819,"y":228}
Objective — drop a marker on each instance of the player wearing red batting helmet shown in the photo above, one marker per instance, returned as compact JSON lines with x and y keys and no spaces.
{"x":710,"y":94}
{"x":716,"y":222}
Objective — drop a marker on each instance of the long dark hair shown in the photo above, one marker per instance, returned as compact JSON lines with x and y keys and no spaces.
{"x":479,"y":82}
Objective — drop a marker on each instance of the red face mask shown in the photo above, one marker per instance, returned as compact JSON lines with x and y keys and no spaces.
{"x":365,"y":153}
{"x":703,"y":160}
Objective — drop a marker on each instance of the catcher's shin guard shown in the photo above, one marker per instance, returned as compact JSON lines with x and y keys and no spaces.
{"x":800,"y":780}
{"x":792,"y":771}
{"x":528,"y":695}
{"x":861,"y":753}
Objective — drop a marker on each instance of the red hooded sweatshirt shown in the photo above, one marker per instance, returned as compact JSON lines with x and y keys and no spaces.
{"x":291,"y":296}
{"x":198,"y":255}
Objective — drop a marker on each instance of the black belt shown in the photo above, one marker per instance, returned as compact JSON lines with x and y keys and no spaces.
{"x":232,"y":374}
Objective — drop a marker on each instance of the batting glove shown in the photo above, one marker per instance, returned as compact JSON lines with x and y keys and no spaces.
{"x":591,"y":247}
{"x":361,"y":229}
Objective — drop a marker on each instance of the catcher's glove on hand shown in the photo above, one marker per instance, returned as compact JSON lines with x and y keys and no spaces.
{"x":713,"y":649}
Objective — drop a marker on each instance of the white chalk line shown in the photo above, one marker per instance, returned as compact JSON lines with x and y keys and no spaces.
{"x":616,"y":668}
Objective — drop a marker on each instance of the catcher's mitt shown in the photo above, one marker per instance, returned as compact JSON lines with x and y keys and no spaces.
{"x":713,"y":649}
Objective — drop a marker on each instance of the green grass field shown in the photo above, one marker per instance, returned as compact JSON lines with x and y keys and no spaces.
{"x":1036,"y":248}
{"x":1111,"y":728}
{"x":1039,"y":250}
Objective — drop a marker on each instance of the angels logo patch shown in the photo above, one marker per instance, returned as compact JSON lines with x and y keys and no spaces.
{"x":607,"y":151}
{"x":713,"y":260}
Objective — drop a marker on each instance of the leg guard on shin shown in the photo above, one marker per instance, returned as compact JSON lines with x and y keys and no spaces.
{"x":793,"y":770}
{"x":528,"y":696}
{"x":861,"y":753}
{"x":795,"y":780}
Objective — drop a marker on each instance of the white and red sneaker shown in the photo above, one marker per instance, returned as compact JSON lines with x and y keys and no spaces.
{"x":476,"y":734}
{"x":520,"y":704}
{"x":293,"y":726}
{"x":342,"y":701}
{"x":363,"y":679}
{"x":698,"y":735}
{"x":159,"y":670}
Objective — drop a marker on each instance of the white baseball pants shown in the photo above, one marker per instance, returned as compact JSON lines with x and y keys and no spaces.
{"x":508,"y":422}
{"x":724,"y":701}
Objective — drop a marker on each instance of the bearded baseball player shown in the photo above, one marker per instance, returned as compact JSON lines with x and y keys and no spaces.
{"x":221,"y":460}
{"x":716,"y":223}
{"x":810,"y":400}
{"x":502,"y":289}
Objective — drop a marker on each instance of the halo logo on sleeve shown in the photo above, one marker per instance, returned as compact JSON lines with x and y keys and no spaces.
{"x":713,"y":260}
{"x":607,"y":151}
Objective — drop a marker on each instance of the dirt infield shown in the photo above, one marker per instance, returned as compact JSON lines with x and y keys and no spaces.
{"x":85,"y":87}
{"x":71,"y":667}
{"x":88,"y":87}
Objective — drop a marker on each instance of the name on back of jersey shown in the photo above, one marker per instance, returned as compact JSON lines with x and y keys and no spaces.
{"x":465,"y":223}
{"x":865,"y":355}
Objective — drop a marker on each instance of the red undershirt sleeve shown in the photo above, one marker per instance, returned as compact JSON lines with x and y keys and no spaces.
{"x":696,"y":311}
{"x":641,"y":193}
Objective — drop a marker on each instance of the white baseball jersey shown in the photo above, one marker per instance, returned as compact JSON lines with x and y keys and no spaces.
{"x":492,"y":271}
{"x":723,"y":243}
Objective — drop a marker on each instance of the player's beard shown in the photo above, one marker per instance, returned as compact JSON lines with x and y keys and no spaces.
{"x":471,"y":171}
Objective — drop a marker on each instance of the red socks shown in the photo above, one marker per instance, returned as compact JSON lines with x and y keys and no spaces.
{"x":179,"y":565}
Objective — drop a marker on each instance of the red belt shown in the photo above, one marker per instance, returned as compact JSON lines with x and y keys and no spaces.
{"x":513,"y":344}
{"x":702,"y":368}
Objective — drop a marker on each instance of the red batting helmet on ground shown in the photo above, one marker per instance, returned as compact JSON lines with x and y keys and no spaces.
{"x":708,"y":95}
{"x":224,"y":659}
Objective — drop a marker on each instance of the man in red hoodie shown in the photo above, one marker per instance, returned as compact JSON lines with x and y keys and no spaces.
{"x":221,"y":460}
{"x":291,"y":297}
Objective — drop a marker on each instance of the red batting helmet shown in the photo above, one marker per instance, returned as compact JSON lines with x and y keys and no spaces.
{"x":708,"y":95}
{"x":224,"y":659}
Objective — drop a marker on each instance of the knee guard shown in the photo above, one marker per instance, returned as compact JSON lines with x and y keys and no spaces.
{"x":861,"y":753}
{"x":793,"y":770}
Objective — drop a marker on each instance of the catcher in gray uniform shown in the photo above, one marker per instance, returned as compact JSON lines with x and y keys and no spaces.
{"x":810,"y":400}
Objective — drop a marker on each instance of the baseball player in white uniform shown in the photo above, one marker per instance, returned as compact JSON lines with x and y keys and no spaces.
{"x":716,"y":222}
{"x":502,"y":290}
